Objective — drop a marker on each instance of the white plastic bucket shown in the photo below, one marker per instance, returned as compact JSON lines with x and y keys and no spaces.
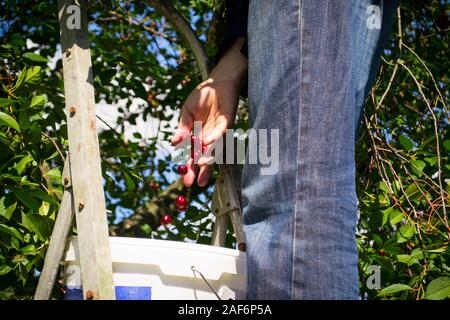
{"x":162,"y":270}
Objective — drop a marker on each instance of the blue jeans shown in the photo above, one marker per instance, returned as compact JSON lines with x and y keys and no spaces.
{"x":311,"y":65}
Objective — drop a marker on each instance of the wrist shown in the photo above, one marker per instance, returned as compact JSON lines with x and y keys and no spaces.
{"x":232,"y":66}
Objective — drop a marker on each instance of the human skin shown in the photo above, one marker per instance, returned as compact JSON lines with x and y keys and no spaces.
{"x":214,"y":103}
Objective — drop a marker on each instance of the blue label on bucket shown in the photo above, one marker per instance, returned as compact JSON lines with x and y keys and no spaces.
{"x":122,"y":293}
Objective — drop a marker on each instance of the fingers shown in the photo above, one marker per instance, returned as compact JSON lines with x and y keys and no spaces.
{"x":215,"y":133}
{"x":204,"y":175}
{"x":184,"y":127}
{"x":189,"y":177}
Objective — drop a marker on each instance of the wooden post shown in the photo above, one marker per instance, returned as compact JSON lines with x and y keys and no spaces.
{"x":225,"y":205}
{"x":85,"y":167}
{"x":58,"y":240}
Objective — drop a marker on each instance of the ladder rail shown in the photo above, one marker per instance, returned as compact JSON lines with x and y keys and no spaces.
{"x":84,"y":153}
{"x":58,"y":240}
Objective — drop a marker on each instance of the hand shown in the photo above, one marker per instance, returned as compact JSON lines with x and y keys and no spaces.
{"x":214,"y":103}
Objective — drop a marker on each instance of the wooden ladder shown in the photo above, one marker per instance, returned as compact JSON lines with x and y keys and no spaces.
{"x":83,"y":196}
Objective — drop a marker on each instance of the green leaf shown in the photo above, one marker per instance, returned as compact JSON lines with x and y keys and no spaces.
{"x":407,"y":259}
{"x":398,"y":287}
{"x":20,"y":79}
{"x":29,"y":249}
{"x":395,"y":216}
{"x":35,"y":132}
{"x":431,"y":160}
{"x":33,"y":75}
{"x":131,"y":185}
{"x":27,"y":75}
{"x":20,"y":166}
{"x":6,"y":211}
{"x":11,"y":231}
{"x":436,"y":248}
{"x":119,"y":153}
{"x":405,"y":232}
{"x":38,"y":101}
{"x":383,"y":186}
{"x":418,"y":166}
{"x":34,"y":57}
{"x":4,"y":269}
{"x":447,"y":144}
{"x":392,"y":249}
{"x":438,"y":289}
{"x":4,"y":139}
{"x":39,"y":194}
{"x":417,"y":253}
{"x":6,"y":119}
{"x":27,"y":200}
{"x":38,"y":224}
{"x":406,"y":143}
{"x":54,"y":173}
{"x":385,"y":215}
{"x":411,"y":190}
{"x":24,"y":120}
{"x":378,"y":240}
{"x":5,"y":102}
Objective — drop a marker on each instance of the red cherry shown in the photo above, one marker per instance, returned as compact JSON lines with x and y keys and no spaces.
{"x":181,"y":202}
{"x":166,"y":219}
{"x":182,"y":169}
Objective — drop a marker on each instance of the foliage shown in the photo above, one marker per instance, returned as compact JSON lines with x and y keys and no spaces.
{"x":403,"y":160}
{"x":143,"y":71}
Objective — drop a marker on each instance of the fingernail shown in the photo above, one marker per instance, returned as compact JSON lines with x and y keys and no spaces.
{"x":174,"y":140}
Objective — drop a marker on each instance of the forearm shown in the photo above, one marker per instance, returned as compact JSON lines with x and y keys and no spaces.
{"x":232,"y":66}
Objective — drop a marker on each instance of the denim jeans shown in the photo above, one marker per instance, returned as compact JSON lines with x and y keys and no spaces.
{"x":311,"y":65}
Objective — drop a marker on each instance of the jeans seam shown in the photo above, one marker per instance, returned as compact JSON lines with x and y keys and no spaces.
{"x":299,"y":25}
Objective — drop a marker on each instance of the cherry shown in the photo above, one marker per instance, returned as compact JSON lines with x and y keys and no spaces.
{"x":166,"y":219}
{"x":181,"y":202}
{"x":381,"y":253}
{"x":182,"y":169}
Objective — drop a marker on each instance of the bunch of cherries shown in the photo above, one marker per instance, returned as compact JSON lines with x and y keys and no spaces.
{"x":181,"y":201}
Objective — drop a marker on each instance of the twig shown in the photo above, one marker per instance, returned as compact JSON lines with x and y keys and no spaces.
{"x":438,"y":151}
{"x":55,"y":144}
